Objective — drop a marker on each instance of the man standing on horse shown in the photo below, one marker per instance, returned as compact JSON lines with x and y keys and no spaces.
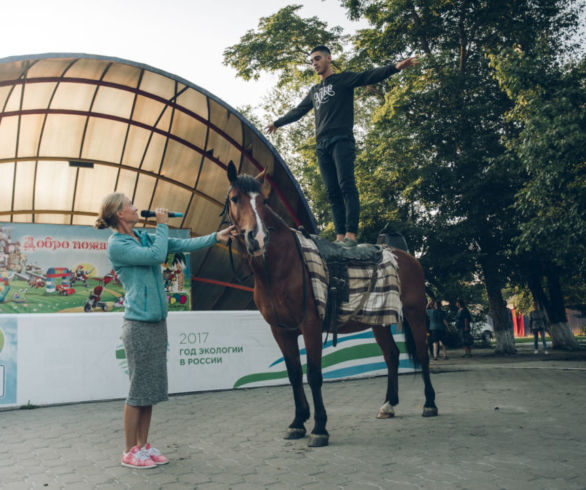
{"x":333,"y":103}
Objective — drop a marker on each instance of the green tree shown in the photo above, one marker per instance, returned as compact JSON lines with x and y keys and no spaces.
{"x":550,"y":103}
{"x":281,"y":45}
{"x":443,"y":129}
{"x":433,"y":157}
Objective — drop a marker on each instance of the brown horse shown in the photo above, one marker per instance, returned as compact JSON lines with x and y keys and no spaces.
{"x":282,"y":293}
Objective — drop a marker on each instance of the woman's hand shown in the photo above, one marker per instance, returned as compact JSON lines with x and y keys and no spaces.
{"x":162,"y":216}
{"x":227,"y":233}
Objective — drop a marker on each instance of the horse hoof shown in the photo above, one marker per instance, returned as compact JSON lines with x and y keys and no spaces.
{"x":429,"y":412}
{"x":295,"y":433}
{"x":318,"y":440}
{"x":386,"y":411}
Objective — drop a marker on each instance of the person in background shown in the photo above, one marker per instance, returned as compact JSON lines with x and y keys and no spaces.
{"x":438,"y":326}
{"x":136,"y":258}
{"x":332,"y":101}
{"x":537,"y":323}
{"x":463,"y":324}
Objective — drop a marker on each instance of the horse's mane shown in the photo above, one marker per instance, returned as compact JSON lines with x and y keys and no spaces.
{"x":246,"y":184}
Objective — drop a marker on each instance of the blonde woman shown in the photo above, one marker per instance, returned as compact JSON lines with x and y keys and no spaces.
{"x":136,"y":257}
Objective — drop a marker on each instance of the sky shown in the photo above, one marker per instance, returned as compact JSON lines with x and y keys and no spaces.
{"x":183,"y":37}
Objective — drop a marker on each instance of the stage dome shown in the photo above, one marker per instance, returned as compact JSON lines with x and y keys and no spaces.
{"x":74,"y":127}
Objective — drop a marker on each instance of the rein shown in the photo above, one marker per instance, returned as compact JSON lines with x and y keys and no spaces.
{"x":226,"y":219}
{"x":268,"y":279}
{"x":226,"y":215}
{"x":238,"y":279}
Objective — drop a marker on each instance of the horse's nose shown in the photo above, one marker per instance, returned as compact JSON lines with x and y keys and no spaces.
{"x":251,"y":240}
{"x":255,"y":240}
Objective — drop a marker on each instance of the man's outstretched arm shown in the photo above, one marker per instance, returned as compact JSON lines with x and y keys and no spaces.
{"x":293,"y":115}
{"x":376,"y":75}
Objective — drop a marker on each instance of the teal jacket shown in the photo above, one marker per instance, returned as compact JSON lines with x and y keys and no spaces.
{"x":138,"y":266}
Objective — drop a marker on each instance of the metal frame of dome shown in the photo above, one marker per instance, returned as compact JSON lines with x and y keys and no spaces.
{"x":74,"y":127}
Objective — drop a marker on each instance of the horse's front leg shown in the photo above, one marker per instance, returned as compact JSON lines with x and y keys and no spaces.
{"x":390,"y":352}
{"x":319,"y":435}
{"x":287,"y":342}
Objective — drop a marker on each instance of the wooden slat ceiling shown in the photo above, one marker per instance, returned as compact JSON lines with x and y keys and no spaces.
{"x":75,"y":127}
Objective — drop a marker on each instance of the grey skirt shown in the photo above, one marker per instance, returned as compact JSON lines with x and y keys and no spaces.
{"x":146,"y":352}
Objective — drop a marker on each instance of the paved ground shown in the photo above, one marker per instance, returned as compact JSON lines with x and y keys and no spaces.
{"x":505,"y":423}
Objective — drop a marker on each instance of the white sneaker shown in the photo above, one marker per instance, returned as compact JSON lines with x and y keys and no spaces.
{"x":545,"y":352}
{"x":535,"y":351}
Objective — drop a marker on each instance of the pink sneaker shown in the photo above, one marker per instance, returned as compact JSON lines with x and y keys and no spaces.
{"x":137,"y":458}
{"x":155,"y":454}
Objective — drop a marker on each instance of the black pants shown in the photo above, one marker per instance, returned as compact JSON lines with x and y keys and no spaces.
{"x":536,"y":338}
{"x":335,"y":157}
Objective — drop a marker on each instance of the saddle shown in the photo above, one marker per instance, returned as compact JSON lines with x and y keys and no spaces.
{"x":332,"y":253}
{"x":338,"y":259}
{"x":391,"y":238}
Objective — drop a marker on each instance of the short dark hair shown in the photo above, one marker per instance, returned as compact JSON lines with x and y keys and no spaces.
{"x":322,"y":48}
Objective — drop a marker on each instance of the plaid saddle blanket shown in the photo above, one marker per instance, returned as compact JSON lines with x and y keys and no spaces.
{"x":371,"y":300}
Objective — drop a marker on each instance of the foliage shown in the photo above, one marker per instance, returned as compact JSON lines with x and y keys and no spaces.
{"x":521,"y":297}
{"x":437,"y":137}
{"x":550,"y":108}
{"x":445,"y":151}
{"x":448,"y":129}
{"x":282,"y":44}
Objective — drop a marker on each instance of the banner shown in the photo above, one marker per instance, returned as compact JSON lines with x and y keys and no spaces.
{"x":64,"y":269}
{"x":77,"y":357}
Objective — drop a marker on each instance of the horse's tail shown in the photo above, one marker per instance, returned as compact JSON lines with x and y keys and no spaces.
{"x":409,"y":341}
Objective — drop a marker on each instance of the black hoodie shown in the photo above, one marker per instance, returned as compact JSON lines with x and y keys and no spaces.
{"x":333,"y":102}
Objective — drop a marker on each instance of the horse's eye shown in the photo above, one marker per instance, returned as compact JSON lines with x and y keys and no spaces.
{"x":234,"y":199}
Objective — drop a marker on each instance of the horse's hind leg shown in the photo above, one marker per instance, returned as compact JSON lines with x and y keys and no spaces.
{"x":319,"y":435}
{"x":287,"y":342}
{"x":390,"y":352}
{"x":416,"y":322}
{"x":413,"y":300}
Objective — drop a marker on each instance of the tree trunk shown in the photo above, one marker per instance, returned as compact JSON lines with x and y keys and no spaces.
{"x":534,"y":279}
{"x":505,"y":339}
{"x":561,"y":335}
{"x":505,"y":342}
{"x":553,"y":302}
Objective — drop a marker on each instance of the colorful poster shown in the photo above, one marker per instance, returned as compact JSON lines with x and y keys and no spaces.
{"x":8,"y":360}
{"x":62,"y":269}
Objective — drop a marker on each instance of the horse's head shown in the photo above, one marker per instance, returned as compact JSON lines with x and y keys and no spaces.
{"x":245,"y":206}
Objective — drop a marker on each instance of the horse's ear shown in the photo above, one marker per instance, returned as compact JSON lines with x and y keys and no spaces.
{"x":261,"y":177}
{"x":232,"y":174}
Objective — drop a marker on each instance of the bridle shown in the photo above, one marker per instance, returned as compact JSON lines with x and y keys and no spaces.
{"x":228,"y":220}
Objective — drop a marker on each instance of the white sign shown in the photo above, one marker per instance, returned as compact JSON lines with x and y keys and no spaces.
{"x":78,"y":357}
